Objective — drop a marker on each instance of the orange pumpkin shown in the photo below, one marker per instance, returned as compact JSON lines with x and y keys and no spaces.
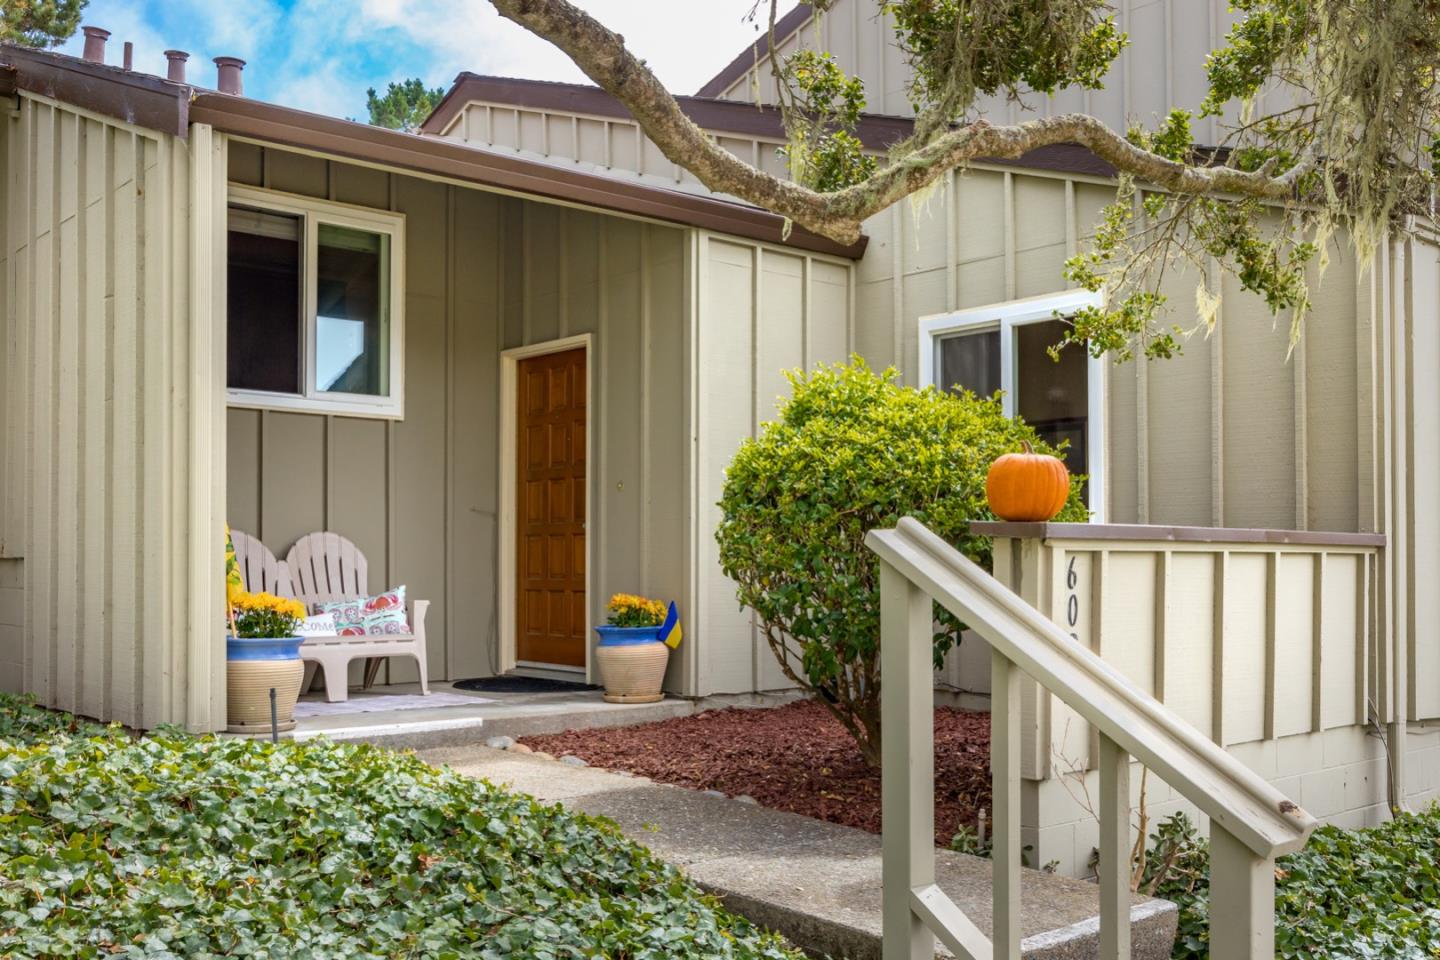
{"x":1027,"y":486}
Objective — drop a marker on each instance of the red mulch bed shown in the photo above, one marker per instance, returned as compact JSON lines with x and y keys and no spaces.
{"x":796,"y":757}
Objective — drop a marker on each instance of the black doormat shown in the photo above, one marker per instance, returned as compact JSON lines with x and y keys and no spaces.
{"x":514,"y":684}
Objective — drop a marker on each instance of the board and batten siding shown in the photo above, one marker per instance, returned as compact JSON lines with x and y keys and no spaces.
{"x":1235,"y":431}
{"x":608,"y":145}
{"x":12,"y":455}
{"x":420,"y":496}
{"x":762,"y":311}
{"x":1264,"y":645}
{"x":111,"y":542}
{"x":1418,"y":304}
{"x":1162,"y":67}
{"x":1194,"y":451}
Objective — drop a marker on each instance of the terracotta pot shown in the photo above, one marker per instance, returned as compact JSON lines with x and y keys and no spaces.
{"x":632,"y":663}
{"x":252,"y":667}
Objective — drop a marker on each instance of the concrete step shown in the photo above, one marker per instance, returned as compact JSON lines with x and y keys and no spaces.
{"x":814,"y":882}
{"x":496,"y":715}
{"x":491,"y":715}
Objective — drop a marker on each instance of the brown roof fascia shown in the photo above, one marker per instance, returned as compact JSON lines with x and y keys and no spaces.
{"x":7,"y":80}
{"x":432,"y":155}
{"x":876,"y":131}
{"x":755,"y":52}
{"x":135,"y":98}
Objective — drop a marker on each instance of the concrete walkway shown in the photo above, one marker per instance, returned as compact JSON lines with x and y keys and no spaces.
{"x":817,"y":883}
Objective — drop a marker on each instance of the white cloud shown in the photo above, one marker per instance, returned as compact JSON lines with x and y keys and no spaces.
{"x":125,"y":22}
{"x":204,"y":28}
{"x":684,"y":41}
{"x":321,"y":55}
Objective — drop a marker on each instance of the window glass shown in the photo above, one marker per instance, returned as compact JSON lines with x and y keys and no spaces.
{"x":969,"y":361}
{"x":352,"y":332}
{"x":1052,"y":397}
{"x":264,"y":302}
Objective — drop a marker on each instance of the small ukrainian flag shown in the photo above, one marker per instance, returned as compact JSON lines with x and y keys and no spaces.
{"x":670,"y":632}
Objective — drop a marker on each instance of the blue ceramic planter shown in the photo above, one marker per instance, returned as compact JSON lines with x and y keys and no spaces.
{"x":254,"y":667}
{"x":263,"y":648}
{"x":632,"y":663}
{"x":625,"y":636}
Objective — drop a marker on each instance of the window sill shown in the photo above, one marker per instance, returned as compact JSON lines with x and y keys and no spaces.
{"x":377,"y":409}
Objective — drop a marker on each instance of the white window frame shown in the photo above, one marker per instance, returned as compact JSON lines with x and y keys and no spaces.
{"x":1005,"y":317}
{"x":312,"y":213}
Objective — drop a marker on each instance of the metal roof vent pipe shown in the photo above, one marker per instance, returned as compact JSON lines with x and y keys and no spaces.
{"x":95,"y":39}
{"x":129,"y":55}
{"x":175,"y":69}
{"x":229,"y":75}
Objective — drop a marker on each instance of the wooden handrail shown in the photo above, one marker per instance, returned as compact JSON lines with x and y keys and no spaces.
{"x":1251,"y":822}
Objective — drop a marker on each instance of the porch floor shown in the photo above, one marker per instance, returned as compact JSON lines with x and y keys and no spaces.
{"x":453,"y":723}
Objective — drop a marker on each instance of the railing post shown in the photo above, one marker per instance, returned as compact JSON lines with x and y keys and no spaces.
{"x":907,"y":775}
{"x":1114,"y":851}
{"x":1242,"y":900}
{"x":1006,"y":849}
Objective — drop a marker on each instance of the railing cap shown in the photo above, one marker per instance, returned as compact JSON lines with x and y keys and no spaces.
{"x":1161,"y":533}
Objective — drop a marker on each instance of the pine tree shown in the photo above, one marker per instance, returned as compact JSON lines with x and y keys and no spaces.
{"x":39,"y":23}
{"x":404,"y":106}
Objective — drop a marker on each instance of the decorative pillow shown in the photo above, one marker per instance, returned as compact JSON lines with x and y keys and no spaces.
{"x":384,"y":613}
{"x":347,"y":614}
{"x":381,"y":614}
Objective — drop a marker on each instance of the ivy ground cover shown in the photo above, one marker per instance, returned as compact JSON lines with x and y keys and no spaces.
{"x":1349,"y":895}
{"x":172,"y":846}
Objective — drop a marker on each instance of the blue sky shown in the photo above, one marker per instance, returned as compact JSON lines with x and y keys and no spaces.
{"x":321,"y":55}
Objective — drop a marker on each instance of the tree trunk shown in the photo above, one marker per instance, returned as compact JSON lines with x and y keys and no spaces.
{"x":602,"y":55}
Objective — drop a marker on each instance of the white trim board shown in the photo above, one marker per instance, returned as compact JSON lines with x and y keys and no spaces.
{"x":1005,"y":317}
{"x":509,"y":408}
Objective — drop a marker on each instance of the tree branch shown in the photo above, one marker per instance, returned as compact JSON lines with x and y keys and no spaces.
{"x":602,"y":55}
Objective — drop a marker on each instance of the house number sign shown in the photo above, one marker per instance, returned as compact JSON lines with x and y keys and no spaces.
{"x":1072,"y":601}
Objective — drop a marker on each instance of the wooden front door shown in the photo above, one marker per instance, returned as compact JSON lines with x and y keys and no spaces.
{"x":550,"y":594}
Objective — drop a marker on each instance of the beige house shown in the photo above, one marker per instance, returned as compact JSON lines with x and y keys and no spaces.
{"x":1285,"y":540}
{"x":181,"y":270}
{"x":217,"y":309}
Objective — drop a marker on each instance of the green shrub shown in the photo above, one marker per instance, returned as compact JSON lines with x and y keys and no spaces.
{"x":852,"y":451}
{"x":1349,"y":894}
{"x":178,"y":847}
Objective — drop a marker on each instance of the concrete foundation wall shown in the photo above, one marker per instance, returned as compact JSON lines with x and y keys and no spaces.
{"x":1337,"y":775}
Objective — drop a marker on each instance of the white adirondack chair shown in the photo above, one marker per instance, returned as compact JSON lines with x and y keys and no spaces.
{"x":325,"y":566}
{"x":261,"y":571}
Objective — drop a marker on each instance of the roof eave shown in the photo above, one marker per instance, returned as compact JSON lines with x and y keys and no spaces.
{"x":877,"y":132}
{"x":169,"y":108}
{"x":443,"y":158}
{"x":134,"y":98}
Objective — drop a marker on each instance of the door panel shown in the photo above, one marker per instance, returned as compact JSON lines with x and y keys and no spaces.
{"x":550,"y":593}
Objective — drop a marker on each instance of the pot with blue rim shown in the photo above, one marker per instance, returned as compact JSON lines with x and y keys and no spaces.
{"x":632,"y":663}
{"x":253,"y":666}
